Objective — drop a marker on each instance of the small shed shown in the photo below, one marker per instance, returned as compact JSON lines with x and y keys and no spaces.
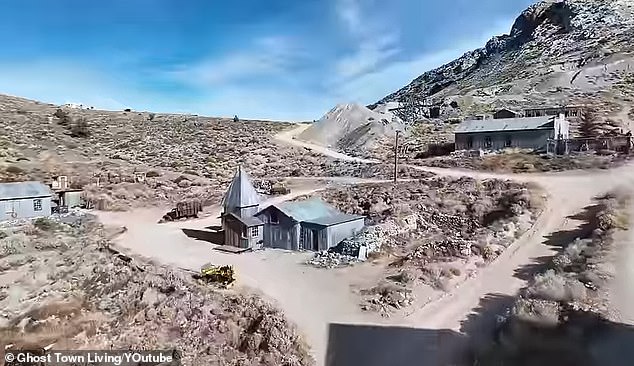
{"x":307,"y":225}
{"x":506,"y":113}
{"x":242,"y":232}
{"x":23,"y":200}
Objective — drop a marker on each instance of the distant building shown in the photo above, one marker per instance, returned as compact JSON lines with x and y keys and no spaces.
{"x":506,"y":113}
{"x":496,"y":134}
{"x":23,"y":200}
{"x":479,"y":117}
{"x":567,"y":111}
{"x":305,"y":225}
{"x":65,"y":197}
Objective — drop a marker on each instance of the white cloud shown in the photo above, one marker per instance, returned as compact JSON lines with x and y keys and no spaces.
{"x":349,"y":12}
{"x":371,"y":86}
{"x":372,"y":44}
{"x":370,"y":54}
{"x":267,"y":56}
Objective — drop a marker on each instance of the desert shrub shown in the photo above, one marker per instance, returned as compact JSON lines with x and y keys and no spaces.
{"x":13,"y":244}
{"x":536,"y":312}
{"x":60,"y":113}
{"x":45,"y":224}
{"x":79,"y":128}
{"x":152,"y":174}
{"x":402,"y":277}
{"x":14,"y":169}
{"x":151,"y":116}
{"x":439,"y":149}
{"x":556,"y":287}
{"x":3,"y":235}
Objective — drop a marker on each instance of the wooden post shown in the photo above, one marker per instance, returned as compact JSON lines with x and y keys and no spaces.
{"x":396,"y":158}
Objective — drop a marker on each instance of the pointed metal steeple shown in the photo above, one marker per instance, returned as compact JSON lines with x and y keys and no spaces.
{"x":241,"y":193}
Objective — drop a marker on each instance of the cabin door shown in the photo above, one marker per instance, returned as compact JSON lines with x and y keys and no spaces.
{"x":315,"y":239}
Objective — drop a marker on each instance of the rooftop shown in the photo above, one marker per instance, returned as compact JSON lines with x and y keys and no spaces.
{"x":314,"y":211}
{"x":250,"y":221}
{"x":31,"y":189}
{"x":505,"y":124}
{"x":241,"y":192}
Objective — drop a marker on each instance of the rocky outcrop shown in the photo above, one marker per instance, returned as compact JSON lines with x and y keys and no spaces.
{"x":547,"y":39}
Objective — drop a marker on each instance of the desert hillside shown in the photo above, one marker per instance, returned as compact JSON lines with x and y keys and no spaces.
{"x":557,"y":53}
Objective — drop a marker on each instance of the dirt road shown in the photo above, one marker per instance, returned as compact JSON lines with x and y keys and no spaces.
{"x":568,"y":194}
{"x":314,"y":298}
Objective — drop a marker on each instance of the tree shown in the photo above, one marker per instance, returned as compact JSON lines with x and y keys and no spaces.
{"x":589,"y":126}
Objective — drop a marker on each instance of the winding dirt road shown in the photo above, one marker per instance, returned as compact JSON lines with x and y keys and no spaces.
{"x":568,"y":194}
{"x":313,"y":298}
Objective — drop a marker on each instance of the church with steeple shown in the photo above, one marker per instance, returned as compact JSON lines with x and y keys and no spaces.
{"x":310,"y":224}
{"x":240,"y":205}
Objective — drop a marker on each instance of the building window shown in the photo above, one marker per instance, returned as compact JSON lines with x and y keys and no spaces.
{"x":508,"y":142}
{"x":255,"y":231}
{"x":487,"y":142}
{"x":37,"y":205}
{"x":274,"y":218}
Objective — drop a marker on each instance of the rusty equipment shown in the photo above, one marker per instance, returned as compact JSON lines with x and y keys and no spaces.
{"x":280,"y":189}
{"x":222,"y":276}
{"x":183,"y":210}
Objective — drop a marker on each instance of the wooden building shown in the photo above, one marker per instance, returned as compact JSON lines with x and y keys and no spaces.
{"x":526,"y":133}
{"x":567,"y":111}
{"x":307,"y":225}
{"x":241,"y":202}
{"x":506,"y":113}
{"x":23,"y":200}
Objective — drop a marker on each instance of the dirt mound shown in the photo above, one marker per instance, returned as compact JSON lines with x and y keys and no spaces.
{"x":351,"y":127}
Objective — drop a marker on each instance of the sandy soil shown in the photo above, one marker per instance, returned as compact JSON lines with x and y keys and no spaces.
{"x":313,"y":298}
{"x":621,"y":291}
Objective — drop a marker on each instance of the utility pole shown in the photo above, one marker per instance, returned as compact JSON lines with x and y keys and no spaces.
{"x":396,"y":157}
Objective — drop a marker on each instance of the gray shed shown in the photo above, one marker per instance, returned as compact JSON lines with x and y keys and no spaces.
{"x":23,"y":200}
{"x":496,"y":134}
{"x":307,"y":225}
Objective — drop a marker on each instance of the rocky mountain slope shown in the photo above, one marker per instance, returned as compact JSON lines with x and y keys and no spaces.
{"x":557,"y":53}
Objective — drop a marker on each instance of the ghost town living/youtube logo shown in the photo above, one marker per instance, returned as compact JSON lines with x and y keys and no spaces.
{"x":119,"y":358}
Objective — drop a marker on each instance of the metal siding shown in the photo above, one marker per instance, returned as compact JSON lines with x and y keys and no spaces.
{"x":277,"y":235}
{"x":72,"y":199}
{"x":338,"y":233}
{"x":24,"y":208}
{"x":535,"y":139}
{"x":4,"y":207}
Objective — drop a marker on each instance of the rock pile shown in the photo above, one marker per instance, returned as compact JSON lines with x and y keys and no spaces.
{"x":330,"y":259}
{"x":387,"y":298}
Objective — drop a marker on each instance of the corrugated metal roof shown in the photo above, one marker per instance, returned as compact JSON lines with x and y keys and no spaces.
{"x":335,"y":219}
{"x":248,"y":221}
{"x":23,"y":190}
{"x":241,"y":192}
{"x":307,"y":210}
{"x":506,"y":124}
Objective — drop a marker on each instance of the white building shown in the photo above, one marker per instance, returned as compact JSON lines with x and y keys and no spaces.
{"x":23,"y":200}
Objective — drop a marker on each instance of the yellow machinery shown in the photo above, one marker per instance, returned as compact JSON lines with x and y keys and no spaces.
{"x":221,"y":275}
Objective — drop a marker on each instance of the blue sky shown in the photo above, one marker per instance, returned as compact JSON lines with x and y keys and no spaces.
{"x":268,"y":59}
